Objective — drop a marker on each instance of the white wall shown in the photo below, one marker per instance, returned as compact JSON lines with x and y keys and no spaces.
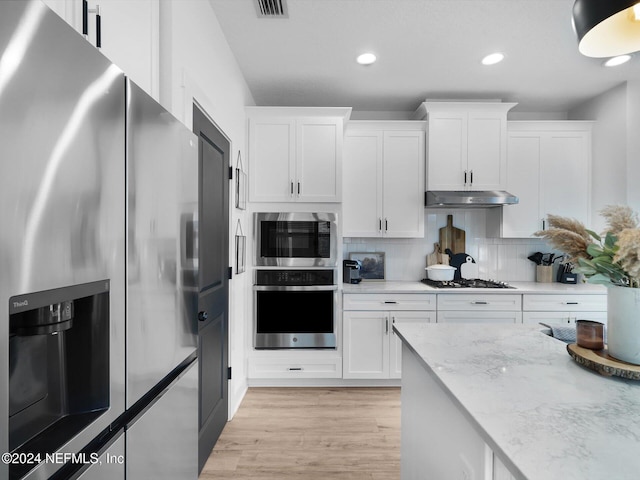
{"x":497,"y":258}
{"x":196,"y":64}
{"x":609,"y":155}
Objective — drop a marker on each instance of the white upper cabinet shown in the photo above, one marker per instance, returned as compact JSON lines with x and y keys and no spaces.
{"x":383,"y":173}
{"x":129,"y":35}
{"x":548,"y":167}
{"x":295,"y":154}
{"x":467,"y":145}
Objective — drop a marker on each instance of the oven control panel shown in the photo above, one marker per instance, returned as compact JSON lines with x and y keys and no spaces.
{"x":294,"y":277}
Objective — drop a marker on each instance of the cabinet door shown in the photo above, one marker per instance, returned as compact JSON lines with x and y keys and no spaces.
{"x":271,"y":159}
{"x":486,"y":151}
{"x":403,"y":184}
{"x":130,"y":39}
{"x":362,"y":193}
{"x":69,"y":10}
{"x":447,"y":157}
{"x":523,"y":179}
{"x":395,"y":346}
{"x":319,"y":160}
{"x":564,"y":171}
{"x":366,"y":345}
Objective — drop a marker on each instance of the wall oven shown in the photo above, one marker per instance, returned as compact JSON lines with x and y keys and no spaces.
{"x":295,"y":309}
{"x":295,"y":239}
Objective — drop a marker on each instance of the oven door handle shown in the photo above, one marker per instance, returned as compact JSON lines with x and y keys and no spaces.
{"x":294,"y":288}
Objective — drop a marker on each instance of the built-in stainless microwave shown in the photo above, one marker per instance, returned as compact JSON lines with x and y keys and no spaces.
{"x":295,"y":239}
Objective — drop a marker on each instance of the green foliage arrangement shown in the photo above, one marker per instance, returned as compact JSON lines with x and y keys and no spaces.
{"x":610,"y":258}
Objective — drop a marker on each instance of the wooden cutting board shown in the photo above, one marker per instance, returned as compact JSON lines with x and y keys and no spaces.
{"x":452,"y":237}
{"x":437,"y":257}
{"x":433,"y":258}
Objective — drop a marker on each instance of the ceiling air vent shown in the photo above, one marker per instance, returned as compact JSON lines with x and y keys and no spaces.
{"x":272,"y":8}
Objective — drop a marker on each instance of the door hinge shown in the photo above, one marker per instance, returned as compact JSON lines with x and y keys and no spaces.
{"x":230,"y":273}
{"x":230,"y":173}
{"x":228,"y":373}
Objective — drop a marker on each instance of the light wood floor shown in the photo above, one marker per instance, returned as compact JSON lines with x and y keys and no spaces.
{"x":310,"y":433}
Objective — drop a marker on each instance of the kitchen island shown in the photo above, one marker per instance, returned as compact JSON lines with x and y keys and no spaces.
{"x":483,"y":402}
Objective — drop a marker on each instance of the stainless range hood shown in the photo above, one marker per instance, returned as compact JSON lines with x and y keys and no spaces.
{"x":468,"y":199}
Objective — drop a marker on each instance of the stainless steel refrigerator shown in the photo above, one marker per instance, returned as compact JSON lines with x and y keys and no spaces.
{"x":162,"y":293}
{"x":98,"y":262}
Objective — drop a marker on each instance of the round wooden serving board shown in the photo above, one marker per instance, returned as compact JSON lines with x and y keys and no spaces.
{"x":603,"y":363}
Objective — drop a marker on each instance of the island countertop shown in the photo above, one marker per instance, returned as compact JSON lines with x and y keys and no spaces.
{"x":541,"y":413}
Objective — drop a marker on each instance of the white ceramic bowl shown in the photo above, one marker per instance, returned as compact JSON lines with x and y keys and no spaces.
{"x":440,"y":272}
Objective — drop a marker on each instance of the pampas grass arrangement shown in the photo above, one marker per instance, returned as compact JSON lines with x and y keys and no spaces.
{"x":612,"y":258}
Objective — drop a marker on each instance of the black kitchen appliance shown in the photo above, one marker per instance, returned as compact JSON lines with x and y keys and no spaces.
{"x":295,"y":309}
{"x":466,"y":283}
{"x":296,"y":239}
{"x":351,"y":271}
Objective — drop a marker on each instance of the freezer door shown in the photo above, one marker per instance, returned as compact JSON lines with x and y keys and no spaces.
{"x":163,"y":442}
{"x":162,"y":209}
{"x":109,"y":465}
{"x":62,"y":106}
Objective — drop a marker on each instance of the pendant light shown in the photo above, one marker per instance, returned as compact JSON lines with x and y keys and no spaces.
{"x":607,"y":28}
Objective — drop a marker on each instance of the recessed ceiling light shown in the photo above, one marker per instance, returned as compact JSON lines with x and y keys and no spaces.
{"x":366,"y":59}
{"x":493,"y":58}
{"x":619,"y":60}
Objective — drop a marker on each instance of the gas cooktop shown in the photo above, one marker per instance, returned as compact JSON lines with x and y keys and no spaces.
{"x":466,"y":283}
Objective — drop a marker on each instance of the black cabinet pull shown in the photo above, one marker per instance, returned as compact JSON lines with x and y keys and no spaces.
{"x":380,"y":224}
{"x":465,"y":177}
{"x":98,"y":29}
{"x":85,"y":17}
{"x":202,"y":316}
{"x":298,"y":188}
{"x":386,"y":225}
{"x":292,"y":188}
{"x":471,"y":182}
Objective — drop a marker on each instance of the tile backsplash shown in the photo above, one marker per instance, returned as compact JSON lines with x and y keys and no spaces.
{"x":503,"y":259}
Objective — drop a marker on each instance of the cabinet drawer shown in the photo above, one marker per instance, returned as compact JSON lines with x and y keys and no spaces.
{"x":387,"y":302}
{"x":479,"y":302}
{"x":568,"y":303}
{"x":283,"y":367}
{"x":479,"y":317}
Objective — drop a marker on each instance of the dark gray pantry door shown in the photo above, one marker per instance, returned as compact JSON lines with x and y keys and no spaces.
{"x":213,"y":321}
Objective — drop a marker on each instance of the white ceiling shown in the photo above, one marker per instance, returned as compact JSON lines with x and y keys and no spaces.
{"x":425,"y":49}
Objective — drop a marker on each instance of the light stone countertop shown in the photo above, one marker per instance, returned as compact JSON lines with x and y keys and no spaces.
{"x":532,"y":404}
{"x":520,"y":287}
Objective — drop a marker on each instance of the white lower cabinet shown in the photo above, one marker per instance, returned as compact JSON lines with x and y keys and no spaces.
{"x":370,"y":348}
{"x":295,"y":365}
{"x":563,"y":309}
{"x":479,"y":308}
{"x":479,"y":317}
